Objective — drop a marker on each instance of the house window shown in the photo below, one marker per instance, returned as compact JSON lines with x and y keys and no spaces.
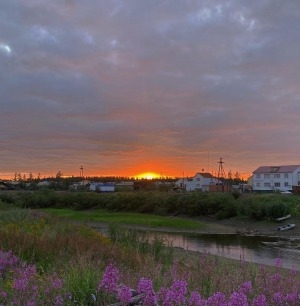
{"x":198,"y":179}
{"x":267,"y":184}
{"x":286,"y":184}
{"x":266,"y":176}
{"x":276,"y":175}
{"x":277,"y":184}
{"x":286,"y":175}
{"x":258,"y":175}
{"x":257,"y":184}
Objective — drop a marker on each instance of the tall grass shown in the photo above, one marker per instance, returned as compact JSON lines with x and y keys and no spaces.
{"x":65,"y":264}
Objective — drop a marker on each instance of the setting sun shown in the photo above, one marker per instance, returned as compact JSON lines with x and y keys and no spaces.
{"x":148,"y":175}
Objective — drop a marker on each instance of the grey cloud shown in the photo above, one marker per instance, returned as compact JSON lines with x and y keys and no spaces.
{"x":161,"y":81}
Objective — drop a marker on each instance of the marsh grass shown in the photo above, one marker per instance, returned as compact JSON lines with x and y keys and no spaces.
{"x":103,"y":215}
{"x":143,"y":242}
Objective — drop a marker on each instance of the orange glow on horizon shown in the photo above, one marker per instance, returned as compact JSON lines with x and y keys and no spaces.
{"x":148,"y":175}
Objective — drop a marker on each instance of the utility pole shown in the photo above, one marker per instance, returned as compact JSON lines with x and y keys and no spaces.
{"x":221,"y":173}
{"x":81,"y":174}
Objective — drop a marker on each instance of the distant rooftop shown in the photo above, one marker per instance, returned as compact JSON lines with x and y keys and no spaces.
{"x":276,"y":169}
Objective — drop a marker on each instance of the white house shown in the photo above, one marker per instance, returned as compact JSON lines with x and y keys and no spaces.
{"x":200,"y":181}
{"x":281,"y":178}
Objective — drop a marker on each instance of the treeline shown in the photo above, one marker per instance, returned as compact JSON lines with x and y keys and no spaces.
{"x":221,"y":205}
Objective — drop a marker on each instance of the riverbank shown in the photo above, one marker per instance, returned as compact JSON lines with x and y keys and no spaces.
{"x":253,"y":229}
{"x":211,"y":225}
{"x":245,"y":226}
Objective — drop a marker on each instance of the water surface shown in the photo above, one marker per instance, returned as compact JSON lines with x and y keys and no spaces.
{"x":256,"y":249}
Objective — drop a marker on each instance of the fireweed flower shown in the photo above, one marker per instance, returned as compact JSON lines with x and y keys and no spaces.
{"x":21,"y":282}
{"x":238,"y":299}
{"x":196,"y":300}
{"x":57,"y":282}
{"x":110,"y":279}
{"x":124,"y":294}
{"x":278,"y":262}
{"x":292,"y":298}
{"x":7,"y":260}
{"x":218,"y":299}
{"x":246,"y":287}
{"x":145,"y":285}
{"x":59,"y":301}
{"x":278,"y":298}
{"x":176,"y":294}
{"x":261,"y":300}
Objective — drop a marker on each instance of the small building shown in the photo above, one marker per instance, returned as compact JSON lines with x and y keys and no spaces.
{"x":201,"y":181}
{"x":276,"y":178}
{"x":102,"y":187}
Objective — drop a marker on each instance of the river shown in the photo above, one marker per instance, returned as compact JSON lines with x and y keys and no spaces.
{"x":256,"y":249}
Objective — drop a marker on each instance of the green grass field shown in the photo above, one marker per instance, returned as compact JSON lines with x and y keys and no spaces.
{"x":101,"y":215}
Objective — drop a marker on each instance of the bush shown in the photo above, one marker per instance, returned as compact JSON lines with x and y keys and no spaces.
{"x":236,"y":194}
{"x":229,"y":210}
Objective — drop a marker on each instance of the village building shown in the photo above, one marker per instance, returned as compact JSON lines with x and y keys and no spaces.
{"x":276,"y":178}
{"x":201,"y":181}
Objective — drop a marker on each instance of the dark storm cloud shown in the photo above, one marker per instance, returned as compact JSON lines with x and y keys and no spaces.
{"x":113,"y":84}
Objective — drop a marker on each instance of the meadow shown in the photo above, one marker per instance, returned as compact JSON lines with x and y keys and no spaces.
{"x":46,"y":260}
{"x":125,"y":218}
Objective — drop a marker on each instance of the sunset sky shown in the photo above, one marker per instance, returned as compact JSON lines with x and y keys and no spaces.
{"x":165,"y":86}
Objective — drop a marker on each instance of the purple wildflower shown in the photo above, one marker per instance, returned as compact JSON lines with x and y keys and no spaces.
{"x":7,"y":260}
{"x":261,"y":300}
{"x":176,"y":294}
{"x":31,"y":303}
{"x":124,"y":294}
{"x":3,"y":294}
{"x":145,"y":286}
{"x":59,"y":301}
{"x":292,"y":298}
{"x":110,"y":279}
{"x":238,"y":299}
{"x":217,"y":299}
{"x":20,"y":284}
{"x":278,"y":298}
{"x":196,"y":300}
{"x":278,"y":262}
{"x":57,"y":282}
{"x":246,"y":287}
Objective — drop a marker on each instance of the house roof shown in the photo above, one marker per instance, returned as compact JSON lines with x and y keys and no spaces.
{"x":276,"y":169}
{"x":205,"y":175}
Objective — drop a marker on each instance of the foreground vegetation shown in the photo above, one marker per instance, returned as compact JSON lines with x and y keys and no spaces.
{"x":47,"y":261}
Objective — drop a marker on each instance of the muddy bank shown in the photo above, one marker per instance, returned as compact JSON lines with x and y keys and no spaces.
{"x":246,"y":226}
{"x":228,"y":226}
